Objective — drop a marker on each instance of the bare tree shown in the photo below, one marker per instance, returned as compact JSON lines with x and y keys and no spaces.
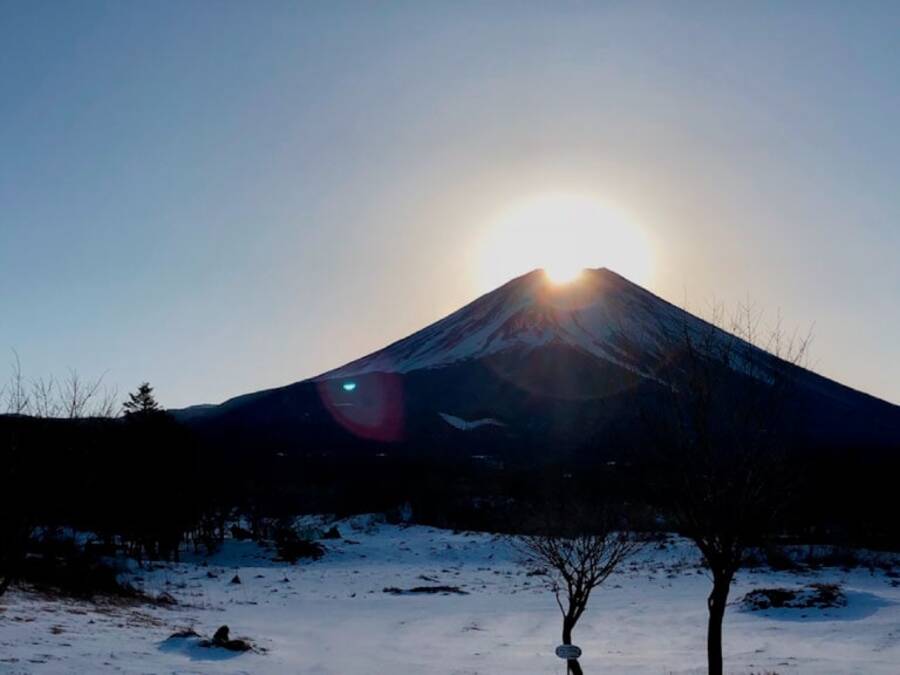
{"x":77,"y":395}
{"x":107,"y":404}
{"x":48,"y":397}
{"x":721,"y":427}
{"x":45,"y":396}
{"x":17,"y":399}
{"x":576,"y":554}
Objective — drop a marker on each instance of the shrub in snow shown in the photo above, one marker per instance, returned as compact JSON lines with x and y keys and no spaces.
{"x":291,"y":547}
{"x":425,"y":590}
{"x":333,"y":533}
{"x":367,"y":523}
{"x":240,"y":533}
{"x":401,"y":515}
{"x":70,"y":571}
{"x":832,"y":556}
{"x":819,"y":596}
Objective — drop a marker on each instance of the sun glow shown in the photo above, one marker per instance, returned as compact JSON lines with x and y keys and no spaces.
{"x":563,"y":234}
{"x":562,"y":274}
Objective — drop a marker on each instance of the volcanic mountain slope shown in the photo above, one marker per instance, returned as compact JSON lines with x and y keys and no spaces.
{"x":530,"y":363}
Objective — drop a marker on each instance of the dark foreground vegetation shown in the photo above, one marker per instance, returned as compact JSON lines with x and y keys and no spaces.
{"x":149,"y":487}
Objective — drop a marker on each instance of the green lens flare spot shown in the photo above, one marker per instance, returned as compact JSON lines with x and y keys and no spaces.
{"x":348,"y":386}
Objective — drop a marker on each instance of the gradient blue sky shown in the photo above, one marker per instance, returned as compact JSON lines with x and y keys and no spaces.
{"x":224,"y":196}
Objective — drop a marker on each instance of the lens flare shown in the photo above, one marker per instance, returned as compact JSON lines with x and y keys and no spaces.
{"x":371,"y":406}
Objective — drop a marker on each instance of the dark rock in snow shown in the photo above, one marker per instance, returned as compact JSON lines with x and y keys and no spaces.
{"x":238,"y":645}
{"x":221,"y":636}
{"x":221,"y":639}
{"x":235,"y":579}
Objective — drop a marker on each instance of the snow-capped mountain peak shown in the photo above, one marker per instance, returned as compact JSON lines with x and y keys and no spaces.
{"x":600,"y":313}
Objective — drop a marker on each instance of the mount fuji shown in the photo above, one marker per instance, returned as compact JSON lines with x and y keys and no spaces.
{"x":601,"y":314}
{"x":530,"y":365}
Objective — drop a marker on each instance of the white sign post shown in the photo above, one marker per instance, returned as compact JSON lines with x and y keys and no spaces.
{"x":568,"y":652}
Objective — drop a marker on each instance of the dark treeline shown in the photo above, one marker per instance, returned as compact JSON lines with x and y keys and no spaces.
{"x":150,"y":486}
{"x":133,"y":482}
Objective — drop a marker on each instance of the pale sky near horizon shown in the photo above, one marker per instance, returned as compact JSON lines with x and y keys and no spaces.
{"x":220,"y":197}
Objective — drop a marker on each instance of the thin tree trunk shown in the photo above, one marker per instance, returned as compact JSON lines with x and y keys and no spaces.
{"x":568,"y":625}
{"x":573,"y":667}
{"x":717,"y":601}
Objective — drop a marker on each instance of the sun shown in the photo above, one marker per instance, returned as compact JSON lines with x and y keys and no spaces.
{"x":563,"y":234}
{"x":562,"y":273}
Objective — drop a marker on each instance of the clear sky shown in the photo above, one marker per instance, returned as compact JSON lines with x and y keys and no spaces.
{"x":224,"y":196}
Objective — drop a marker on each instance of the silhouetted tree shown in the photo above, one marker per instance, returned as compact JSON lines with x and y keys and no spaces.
{"x":575,"y":551}
{"x":141,"y":402}
{"x":16,"y":391}
{"x":720,"y":429}
{"x":157,"y":527}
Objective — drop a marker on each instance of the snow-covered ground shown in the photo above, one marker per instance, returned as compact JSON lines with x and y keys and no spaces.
{"x":333,"y":616}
